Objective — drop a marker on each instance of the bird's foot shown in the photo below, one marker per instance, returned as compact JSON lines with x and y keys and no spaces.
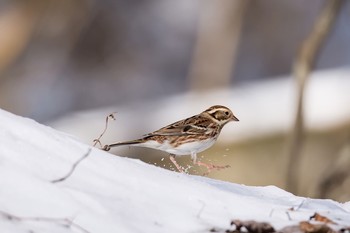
{"x":211,"y":167}
{"x":106,"y":148}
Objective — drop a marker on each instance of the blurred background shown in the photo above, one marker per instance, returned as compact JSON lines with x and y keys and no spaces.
{"x":69,"y":64}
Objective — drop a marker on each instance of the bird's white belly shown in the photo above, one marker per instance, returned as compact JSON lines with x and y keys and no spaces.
{"x":185,"y":149}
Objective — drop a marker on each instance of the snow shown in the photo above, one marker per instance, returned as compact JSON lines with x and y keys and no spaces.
{"x":107,"y":193}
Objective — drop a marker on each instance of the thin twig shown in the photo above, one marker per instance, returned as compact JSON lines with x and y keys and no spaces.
{"x":201,"y":209}
{"x":63,"y":221}
{"x":288,"y":215}
{"x":73,"y":167}
{"x":338,"y":170}
{"x":96,"y":141}
{"x":303,"y":65}
{"x":301,"y":204}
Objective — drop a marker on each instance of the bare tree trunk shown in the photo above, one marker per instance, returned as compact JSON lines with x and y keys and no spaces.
{"x":302,"y":67}
{"x":217,"y":39}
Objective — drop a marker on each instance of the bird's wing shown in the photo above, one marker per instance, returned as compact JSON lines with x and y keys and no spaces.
{"x":189,"y":126}
{"x":178,"y":131}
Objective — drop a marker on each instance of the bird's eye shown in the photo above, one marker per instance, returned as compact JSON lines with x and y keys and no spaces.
{"x":227,"y":113}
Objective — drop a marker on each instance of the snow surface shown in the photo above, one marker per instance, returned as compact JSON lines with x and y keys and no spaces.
{"x":108,"y":193}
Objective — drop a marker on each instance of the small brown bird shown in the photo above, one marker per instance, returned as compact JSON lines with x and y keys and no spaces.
{"x":187,"y":137}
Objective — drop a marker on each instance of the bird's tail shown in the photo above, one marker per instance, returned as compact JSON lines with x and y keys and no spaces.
{"x":132,"y":142}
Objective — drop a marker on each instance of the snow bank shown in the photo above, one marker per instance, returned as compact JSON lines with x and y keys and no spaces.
{"x":107,"y":193}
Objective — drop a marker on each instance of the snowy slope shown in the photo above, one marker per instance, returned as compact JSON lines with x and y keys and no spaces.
{"x":112,"y":194}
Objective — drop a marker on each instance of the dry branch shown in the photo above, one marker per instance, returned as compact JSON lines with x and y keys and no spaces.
{"x":96,"y":141}
{"x":66,"y":222}
{"x":73,"y":167}
{"x":334,"y":178}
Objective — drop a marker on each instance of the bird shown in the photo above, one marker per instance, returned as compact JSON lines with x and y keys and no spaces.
{"x":186,"y":137}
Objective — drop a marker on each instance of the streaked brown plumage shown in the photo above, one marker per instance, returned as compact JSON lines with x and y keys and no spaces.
{"x":188,"y":136}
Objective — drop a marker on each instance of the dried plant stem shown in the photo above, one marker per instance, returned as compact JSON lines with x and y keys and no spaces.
{"x":303,"y":65}
{"x":73,"y":167}
{"x":62,"y":221}
{"x":334,"y":178}
{"x":96,"y":141}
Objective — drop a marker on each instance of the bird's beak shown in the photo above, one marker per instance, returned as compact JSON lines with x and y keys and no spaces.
{"x":234,"y":118}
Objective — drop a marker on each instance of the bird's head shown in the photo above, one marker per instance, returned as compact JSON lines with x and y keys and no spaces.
{"x":220,"y":114}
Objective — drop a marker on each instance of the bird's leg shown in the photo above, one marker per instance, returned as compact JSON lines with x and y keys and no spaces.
{"x":194,"y":157}
{"x":179,"y":168}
